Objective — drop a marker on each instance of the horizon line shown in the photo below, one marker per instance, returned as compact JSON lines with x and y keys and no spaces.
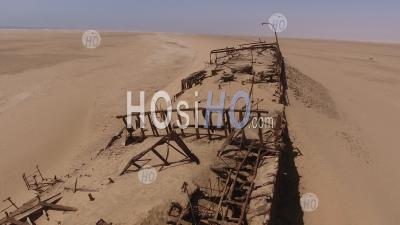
{"x":11,"y":28}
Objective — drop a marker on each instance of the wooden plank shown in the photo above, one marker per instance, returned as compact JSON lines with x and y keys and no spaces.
{"x":58,"y":207}
{"x":30,"y":208}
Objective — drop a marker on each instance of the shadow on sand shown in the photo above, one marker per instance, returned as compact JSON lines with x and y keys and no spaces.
{"x":286,"y":209}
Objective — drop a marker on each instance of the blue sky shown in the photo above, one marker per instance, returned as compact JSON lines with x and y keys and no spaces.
{"x":350,"y":20}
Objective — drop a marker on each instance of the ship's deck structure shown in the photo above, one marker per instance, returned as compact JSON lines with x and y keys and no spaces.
{"x":238,"y":185}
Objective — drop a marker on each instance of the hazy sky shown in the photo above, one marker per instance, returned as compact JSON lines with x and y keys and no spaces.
{"x":355,"y":20}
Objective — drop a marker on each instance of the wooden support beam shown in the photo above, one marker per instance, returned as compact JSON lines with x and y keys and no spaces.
{"x":164,"y":140}
{"x":160,"y":156}
{"x":58,"y":207}
{"x":184,"y":148}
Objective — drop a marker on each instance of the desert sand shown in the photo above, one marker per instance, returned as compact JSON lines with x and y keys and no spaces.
{"x":58,"y":101}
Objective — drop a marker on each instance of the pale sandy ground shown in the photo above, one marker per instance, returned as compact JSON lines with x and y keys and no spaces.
{"x":58,"y":99}
{"x":350,"y":157}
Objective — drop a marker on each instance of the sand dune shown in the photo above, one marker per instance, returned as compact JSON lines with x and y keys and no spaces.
{"x":58,"y":100}
{"x":345,"y":124}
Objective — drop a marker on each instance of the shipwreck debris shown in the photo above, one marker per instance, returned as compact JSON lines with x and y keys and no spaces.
{"x":35,"y":181}
{"x":241,"y":191}
{"x":33,"y":209}
{"x":102,"y":222}
{"x":179,"y":147}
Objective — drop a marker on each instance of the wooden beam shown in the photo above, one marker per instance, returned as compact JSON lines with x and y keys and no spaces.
{"x":58,"y":207}
{"x":160,"y":156}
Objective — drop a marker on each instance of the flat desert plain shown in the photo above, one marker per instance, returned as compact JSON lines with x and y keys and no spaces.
{"x":58,"y":102}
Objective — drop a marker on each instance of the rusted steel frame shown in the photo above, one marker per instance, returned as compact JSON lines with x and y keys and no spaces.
{"x":38,"y":171}
{"x":222,"y":50}
{"x":193,"y":79}
{"x":218,"y":209}
{"x":283,"y":82}
{"x":252,"y":43}
{"x":164,"y":140}
{"x":34,"y":207}
{"x":250,"y":190}
{"x":221,"y":57}
{"x":239,"y":168}
{"x":184,"y":148}
{"x":181,"y":215}
{"x":229,"y":192}
{"x":255,"y":47}
{"x":36,"y":181}
{"x":228,"y":51}
{"x":140,"y":155}
{"x":26,"y":181}
{"x":205,"y":210}
{"x":248,"y":46}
